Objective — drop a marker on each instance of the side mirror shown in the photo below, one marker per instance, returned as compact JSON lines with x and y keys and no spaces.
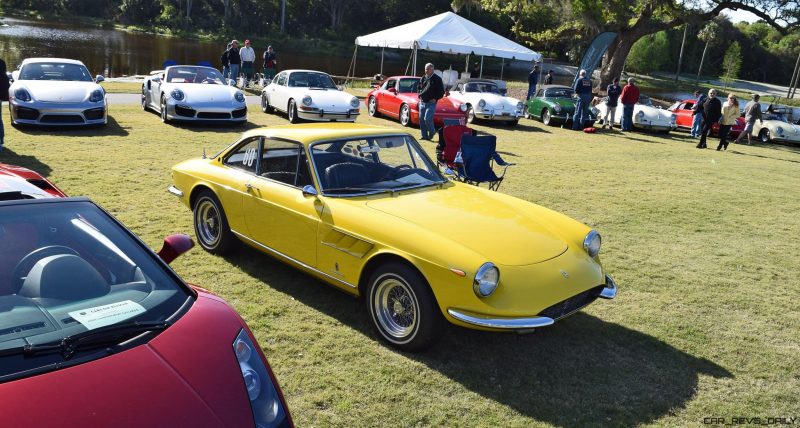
{"x":309,"y":190}
{"x":339,"y":88}
{"x":174,"y":246}
{"x":392,"y":90}
{"x":99,"y":78}
{"x":15,"y":75}
{"x":156,"y":79}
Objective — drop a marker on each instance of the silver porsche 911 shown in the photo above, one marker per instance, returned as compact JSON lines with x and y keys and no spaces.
{"x":56,"y":91}
{"x":193,"y":93}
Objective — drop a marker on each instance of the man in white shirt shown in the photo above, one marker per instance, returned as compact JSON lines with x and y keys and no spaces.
{"x":248,"y":56}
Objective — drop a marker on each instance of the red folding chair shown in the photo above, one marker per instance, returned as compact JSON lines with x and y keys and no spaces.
{"x":450,"y":144}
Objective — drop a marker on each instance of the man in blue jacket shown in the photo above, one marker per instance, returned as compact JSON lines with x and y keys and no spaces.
{"x":533,"y":79}
{"x":583,"y":89}
{"x":697,"y":112}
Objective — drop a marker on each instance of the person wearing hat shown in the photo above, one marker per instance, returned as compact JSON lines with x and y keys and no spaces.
{"x":548,"y":78}
{"x":270,"y":63}
{"x":234,"y":60}
{"x":248,"y":57}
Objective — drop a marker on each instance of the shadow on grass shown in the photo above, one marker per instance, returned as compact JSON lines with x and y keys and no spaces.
{"x":581,"y":371}
{"x":209,"y":126}
{"x":10,"y":157}
{"x":736,"y":152}
{"x":112,"y":128}
{"x":521,"y":126}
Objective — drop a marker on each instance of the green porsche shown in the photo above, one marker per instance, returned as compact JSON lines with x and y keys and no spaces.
{"x":553,"y":105}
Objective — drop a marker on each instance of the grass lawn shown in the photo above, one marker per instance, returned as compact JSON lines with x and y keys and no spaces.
{"x":703,"y":244}
{"x":122,"y":87}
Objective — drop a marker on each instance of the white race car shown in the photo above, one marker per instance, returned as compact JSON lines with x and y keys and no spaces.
{"x":193,"y":93}
{"x":309,"y":95}
{"x":484,"y":100}
{"x":645,"y":115}
{"x":775,"y":126}
{"x":56,"y":91}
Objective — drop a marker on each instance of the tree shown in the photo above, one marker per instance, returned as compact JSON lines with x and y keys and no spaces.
{"x":650,"y":53}
{"x":336,"y":9}
{"x":457,"y":5}
{"x":709,"y":34}
{"x":732,"y":63}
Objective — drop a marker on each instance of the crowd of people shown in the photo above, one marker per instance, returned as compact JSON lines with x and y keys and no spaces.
{"x":238,"y":62}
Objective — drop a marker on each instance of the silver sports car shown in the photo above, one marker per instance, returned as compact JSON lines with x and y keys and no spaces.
{"x":193,"y":93}
{"x":56,"y":91}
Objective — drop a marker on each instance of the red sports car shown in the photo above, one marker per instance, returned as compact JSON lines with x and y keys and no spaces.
{"x":397,"y":97}
{"x":97,"y":328}
{"x":683,"y":113}
{"x":16,"y":180}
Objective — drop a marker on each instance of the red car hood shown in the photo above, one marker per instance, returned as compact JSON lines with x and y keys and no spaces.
{"x":188,"y":376}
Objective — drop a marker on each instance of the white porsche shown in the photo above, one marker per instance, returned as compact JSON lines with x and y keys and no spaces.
{"x":56,"y":91}
{"x":309,"y":95}
{"x":775,"y":125}
{"x":645,"y":115}
{"x":485,"y":101}
{"x":193,"y":93}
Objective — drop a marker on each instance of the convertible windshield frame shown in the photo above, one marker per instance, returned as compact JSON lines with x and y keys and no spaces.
{"x":409,"y":140}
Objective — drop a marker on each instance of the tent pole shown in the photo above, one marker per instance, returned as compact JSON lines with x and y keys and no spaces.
{"x":466,"y":64}
{"x":502,"y":63}
{"x":355,"y":56}
{"x":414,"y":64}
{"x":481,"y":67}
{"x":381,"y":61}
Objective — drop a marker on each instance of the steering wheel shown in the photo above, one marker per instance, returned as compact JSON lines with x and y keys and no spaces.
{"x":394,"y":172}
{"x":27,"y":262}
{"x":208,"y":80}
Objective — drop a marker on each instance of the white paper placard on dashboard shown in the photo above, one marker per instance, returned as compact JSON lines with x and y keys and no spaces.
{"x":101,"y":316}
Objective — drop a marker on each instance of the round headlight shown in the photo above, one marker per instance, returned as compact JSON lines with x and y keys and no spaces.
{"x":481,"y":103}
{"x":520,"y":106}
{"x":176,"y":94}
{"x":640,"y":114}
{"x":486,"y":280}
{"x":355,"y":102}
{"x":673,"y":118}
{"x":96,"y":96}
{"x":462,"y":107}
{"x":243,"y":350}
{"x":251,"y":381}
{"x":780,"y":130}
{"x":306,"y":100}
{"x":557,"y":108}
{"x":22,"y":94}
{"x":239,"y":97}
{"x":592,"y":243}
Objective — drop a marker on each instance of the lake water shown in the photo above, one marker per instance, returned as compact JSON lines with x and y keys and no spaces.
{"x":115,"y":53}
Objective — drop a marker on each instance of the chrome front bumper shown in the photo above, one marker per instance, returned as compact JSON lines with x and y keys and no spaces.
{"x":175,"y":191}
{"x":523,"y":323}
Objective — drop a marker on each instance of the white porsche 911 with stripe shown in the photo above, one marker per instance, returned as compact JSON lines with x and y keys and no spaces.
{"x":193,"y":93}
{"x":309,"y":95}
{"x":56,"y":91}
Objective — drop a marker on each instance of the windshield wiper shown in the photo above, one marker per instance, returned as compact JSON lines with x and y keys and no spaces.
{"x":356,"y":189}
{"x":69,"y":345}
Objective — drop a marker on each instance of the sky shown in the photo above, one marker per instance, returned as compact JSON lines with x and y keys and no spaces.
{"x":741,"y":15}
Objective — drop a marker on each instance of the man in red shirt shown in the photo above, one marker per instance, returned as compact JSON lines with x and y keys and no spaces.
{"x":629,"y":97}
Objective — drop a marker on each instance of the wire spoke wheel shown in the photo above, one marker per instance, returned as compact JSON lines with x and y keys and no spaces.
{"x":396,"y":308}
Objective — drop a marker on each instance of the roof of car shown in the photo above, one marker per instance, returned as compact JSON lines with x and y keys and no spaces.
{"x":476,"y":80}
{"x":555,"y":87}
{"x":38,"y":60}
{"x":312,"y":132}
{"x":302,"y":70}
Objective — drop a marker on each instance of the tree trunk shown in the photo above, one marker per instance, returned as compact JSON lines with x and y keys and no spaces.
{"x":680,"y":56}
{"x":189,"y":8}
{"x":702,"y":58}
{"x":617,"y":55}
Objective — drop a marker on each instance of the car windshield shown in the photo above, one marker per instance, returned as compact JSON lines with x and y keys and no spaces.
{"x":55,"y":71}
{"x":67,"y":268}
{"x":484,"y":87}
{"x":408,"y":86}
{"x":645,"y":100}
{"x":372,"y":165}
{"x":558,"y":93}
{"x":305,"y":79}
{"x":194,"y":75}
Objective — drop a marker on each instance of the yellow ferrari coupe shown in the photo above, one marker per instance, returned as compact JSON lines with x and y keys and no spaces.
{"x":366,"y":210}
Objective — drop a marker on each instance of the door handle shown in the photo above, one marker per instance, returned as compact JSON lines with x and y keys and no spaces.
{"x":250,"y":187}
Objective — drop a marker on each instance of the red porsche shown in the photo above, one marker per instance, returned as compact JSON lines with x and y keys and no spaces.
{"x":98,"y":329}
{"x":397,"y":97}
{"x":683,"y":113}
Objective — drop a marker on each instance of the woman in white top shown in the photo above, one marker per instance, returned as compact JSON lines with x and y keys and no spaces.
{"x":730,"y":112}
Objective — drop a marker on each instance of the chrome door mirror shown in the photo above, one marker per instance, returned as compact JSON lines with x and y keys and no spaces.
{"x":309,"y":190}
{"x":99,"y":78}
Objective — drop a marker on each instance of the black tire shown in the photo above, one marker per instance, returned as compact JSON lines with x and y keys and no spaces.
{"x":546,"y":119}
{"x":763,"y":135}
{"x":513,"y":123}
{"x":211,"y":225}
{"x":405,"y":115}
{"x":291,"y":112}
{"x":164,"y":117}
{"x":372,"y":107}
{"x":145,"y":101}
{"x":395,"y":293}
{"x":470,"y":114}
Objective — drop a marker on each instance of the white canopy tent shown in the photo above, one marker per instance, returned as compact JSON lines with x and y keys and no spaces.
{"x":447,"y":33}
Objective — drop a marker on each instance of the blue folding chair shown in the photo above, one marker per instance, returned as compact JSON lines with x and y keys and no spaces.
{"x":204,"y":64}
{"x":475,"y":163}
{"x":169,"y":63}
